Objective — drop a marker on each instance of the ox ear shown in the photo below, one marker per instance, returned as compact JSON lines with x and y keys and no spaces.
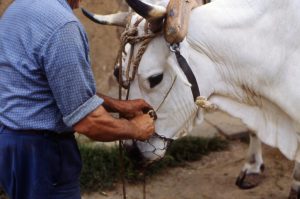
{"x":118,"y":19}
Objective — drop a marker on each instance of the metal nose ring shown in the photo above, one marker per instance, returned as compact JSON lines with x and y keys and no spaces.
{"x":152,"y":114}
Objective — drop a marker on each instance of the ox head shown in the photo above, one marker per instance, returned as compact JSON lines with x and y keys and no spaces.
{"x":158,"y":79}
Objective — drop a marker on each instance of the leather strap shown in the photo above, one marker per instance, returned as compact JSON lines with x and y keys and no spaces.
{"x":188,"y":73}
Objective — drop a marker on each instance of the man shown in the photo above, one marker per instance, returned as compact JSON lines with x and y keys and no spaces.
{"x":47,"y":92}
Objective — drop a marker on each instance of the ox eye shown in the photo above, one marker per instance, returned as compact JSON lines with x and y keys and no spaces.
{"x":155,"y":80}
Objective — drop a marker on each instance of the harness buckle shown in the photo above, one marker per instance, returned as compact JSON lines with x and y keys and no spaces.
{"x":152,"y":114}
{"x":174,"y":48}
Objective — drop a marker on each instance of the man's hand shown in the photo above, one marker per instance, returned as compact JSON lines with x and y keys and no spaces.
{"x":100,"y":125}
{"x":128,"y":109}
{"x":144,"y":126}
{"x":132,"y":108}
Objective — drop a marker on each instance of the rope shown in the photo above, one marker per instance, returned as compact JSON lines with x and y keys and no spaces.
{"x":130,"y":36}
{"x":122,"y":168}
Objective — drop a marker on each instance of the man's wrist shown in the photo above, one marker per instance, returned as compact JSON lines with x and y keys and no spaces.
{"x":110,"y":104}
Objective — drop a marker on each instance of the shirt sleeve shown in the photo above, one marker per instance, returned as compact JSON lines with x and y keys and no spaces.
{"x":65,"y":59}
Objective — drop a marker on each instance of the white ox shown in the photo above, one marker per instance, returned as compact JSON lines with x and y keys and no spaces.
{"x":245,"y":55}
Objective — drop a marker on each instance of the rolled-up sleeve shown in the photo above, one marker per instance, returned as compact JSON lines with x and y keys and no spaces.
{"x":65,"y":58}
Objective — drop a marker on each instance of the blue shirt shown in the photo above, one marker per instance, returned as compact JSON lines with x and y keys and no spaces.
{"x":46,"y":82}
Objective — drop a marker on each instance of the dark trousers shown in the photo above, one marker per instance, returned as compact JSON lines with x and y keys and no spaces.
{"x":39,"y":166}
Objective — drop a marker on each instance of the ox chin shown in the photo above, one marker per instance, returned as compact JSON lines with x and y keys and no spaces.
{"x":143,"y":154}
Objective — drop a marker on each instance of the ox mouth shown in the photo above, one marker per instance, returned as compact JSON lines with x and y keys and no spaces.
{"x":138,"y":158}
{"x":135,"y":155}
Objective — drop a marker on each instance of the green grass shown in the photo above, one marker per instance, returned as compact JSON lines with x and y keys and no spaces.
{"x":101,"y":164}
{"x":100,"y":167}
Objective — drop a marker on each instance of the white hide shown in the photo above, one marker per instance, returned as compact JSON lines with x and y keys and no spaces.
{"x":254,"y":48}
{"x":177,"y":114}
{"x":157,"y":2}
{"x":245,"y":55}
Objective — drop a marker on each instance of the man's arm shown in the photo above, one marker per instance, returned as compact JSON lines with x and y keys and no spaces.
{"x":100,"y":125}
{"x":67,"y":68}
{"x":128,"y":108}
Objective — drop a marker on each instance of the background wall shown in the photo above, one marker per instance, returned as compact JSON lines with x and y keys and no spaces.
{"x":104,"y":41}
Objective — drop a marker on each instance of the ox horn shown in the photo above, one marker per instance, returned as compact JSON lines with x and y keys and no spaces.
{"x":118,"y":19}
{"x":146,"y":10}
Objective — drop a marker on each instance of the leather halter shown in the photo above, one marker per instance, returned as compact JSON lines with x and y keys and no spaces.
{"x":186,"y":70}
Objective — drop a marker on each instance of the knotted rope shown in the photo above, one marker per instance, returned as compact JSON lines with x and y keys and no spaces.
{"x":131,"y":36}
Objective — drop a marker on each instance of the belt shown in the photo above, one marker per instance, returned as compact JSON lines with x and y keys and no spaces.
{"x":53,"y":134}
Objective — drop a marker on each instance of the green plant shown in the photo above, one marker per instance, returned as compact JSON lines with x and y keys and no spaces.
{"x":101,"y":164}
{"x":100,"y":167}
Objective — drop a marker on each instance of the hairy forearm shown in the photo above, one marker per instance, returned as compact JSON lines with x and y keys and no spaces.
{"x":110,"y":104}
{"x":100,"y":126}
{"x":127,"y":108}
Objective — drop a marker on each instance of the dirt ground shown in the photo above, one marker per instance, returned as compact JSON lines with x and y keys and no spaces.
{"x":213,"y":177}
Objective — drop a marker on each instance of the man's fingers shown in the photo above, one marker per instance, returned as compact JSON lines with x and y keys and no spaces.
{"x":143,"y":104}
{"x":145,"y":110}
{"x":145,"y":124}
